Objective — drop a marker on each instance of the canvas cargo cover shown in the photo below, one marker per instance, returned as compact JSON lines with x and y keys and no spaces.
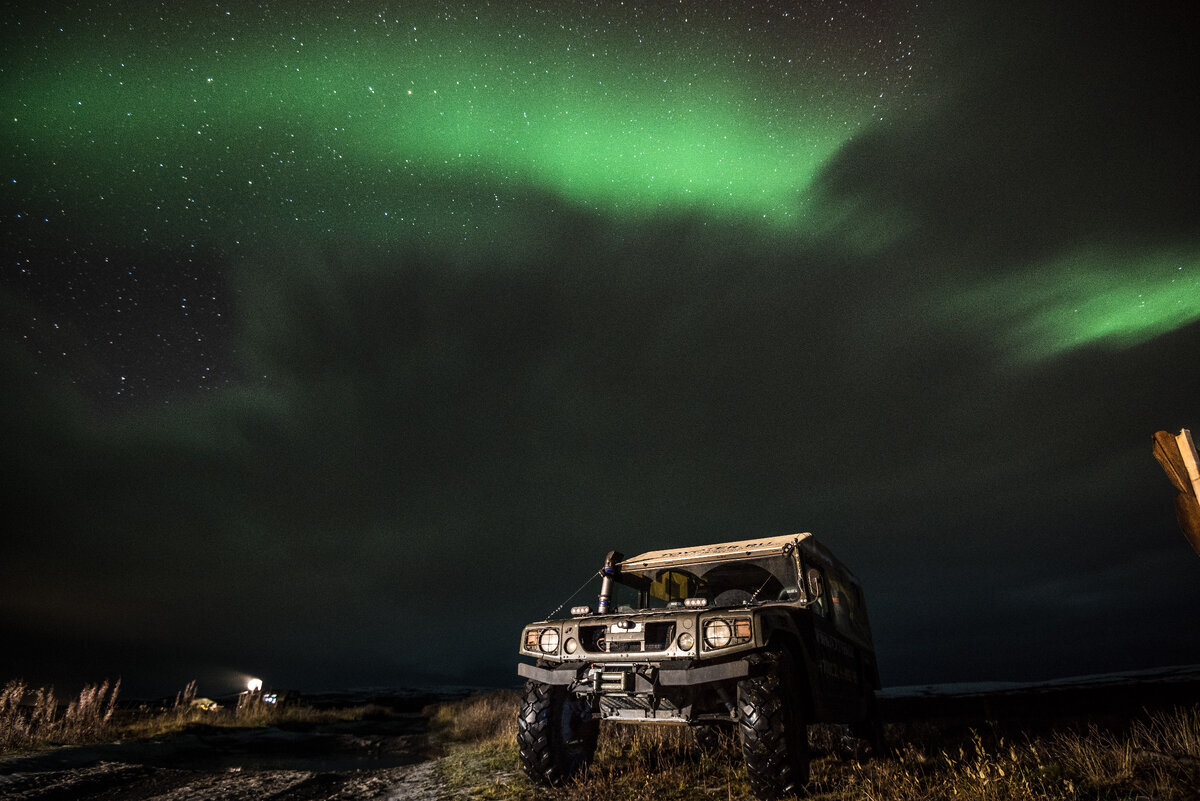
{"x":720,"y":552}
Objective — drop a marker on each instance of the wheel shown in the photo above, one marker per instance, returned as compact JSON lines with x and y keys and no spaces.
{"x":707,"y":737}
{"x":871,"y":729}
{"x":774,"y":731}
{"x":556,"y":735}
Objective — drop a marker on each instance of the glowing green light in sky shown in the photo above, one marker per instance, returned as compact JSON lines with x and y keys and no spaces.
{"x":363,"y":131}
{"x":438,"y":128}
{"x":1095,"y":296}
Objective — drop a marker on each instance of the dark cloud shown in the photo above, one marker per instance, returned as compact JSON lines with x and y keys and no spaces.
{"x":434,"y":452}
{"x":426,"y":449}
{"x":1047,"y":126}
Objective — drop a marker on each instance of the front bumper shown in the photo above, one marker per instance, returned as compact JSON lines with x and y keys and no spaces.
{"x":634,"y":677}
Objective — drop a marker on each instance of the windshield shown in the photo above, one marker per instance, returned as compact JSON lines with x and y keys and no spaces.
{"x":721,"y":584}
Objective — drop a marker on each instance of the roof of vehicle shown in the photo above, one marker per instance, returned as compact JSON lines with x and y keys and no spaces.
{"x":741,"y":549}
{"x":718,"y":552}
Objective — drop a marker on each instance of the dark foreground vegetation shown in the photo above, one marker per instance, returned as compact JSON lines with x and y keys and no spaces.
{"x":1156,"y":757}
{"x":35,"y":718}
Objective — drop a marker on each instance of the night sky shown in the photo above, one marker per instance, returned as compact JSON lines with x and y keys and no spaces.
{"x":339,"y":340}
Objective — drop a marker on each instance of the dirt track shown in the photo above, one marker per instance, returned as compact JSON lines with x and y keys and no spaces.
{"x":383,"y":760}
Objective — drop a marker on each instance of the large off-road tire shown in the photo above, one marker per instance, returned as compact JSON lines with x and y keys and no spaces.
{"x":871,"y":729}
{"x":556,"y":734}
{"x":707,"y":737}
{"x":774,"y":730}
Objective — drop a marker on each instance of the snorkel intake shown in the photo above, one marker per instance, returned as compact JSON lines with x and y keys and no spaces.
{"x":611,"y":568}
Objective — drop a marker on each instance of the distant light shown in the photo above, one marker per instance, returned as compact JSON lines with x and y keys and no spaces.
{"x":254,"y":685}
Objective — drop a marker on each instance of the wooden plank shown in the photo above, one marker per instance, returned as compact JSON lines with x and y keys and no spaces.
{"x":1187,"y":450}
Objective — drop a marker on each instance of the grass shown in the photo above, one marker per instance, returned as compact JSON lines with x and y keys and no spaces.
{"x":1156,"y":759}
{"x":35,"y":718}
{"x":30,"y":718}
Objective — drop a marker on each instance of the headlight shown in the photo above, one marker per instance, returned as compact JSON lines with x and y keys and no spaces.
{"x":686,"y":641}
{"x":570,"y":646}
{"x":717,"y":633}
{"x":548,"y":642}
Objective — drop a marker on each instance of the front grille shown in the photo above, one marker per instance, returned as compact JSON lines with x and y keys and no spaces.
{"x":592,"y":638}
{"x":659,"y":636}
{"x":656,"y":636}
{"x":624,"y":647}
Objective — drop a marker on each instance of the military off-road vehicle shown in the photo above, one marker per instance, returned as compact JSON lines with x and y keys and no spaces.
{"x":763,"y":636}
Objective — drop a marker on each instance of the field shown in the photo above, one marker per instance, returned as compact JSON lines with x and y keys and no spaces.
{"x":1154,"y":758}
{"x":35,"y":718}
{"x":94,"y":747}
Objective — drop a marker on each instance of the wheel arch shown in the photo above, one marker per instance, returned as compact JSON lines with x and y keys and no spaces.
{"x":789,"y":643}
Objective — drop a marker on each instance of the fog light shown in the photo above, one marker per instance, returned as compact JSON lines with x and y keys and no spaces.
{"x":570,"y":646}
{"x":686,"y":641}
{"x":548,"y":642}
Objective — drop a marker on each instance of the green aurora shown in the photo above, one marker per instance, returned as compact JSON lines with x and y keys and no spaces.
{"x":438,"y":130}
{"x":1093,"y":295}
{"x":359,"y":129}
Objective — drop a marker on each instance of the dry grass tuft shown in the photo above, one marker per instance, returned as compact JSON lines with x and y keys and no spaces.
{"x":479,"y":719}
{"x":32,"y":718}
{"x":1158,"y":758}
{"x":658,"y":761}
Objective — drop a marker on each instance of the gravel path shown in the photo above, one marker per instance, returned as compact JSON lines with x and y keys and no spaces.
{"x":114,"y":780}
{"x":371,"y":761}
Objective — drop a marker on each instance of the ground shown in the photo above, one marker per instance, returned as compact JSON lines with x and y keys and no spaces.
{"x":382,"y":759}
